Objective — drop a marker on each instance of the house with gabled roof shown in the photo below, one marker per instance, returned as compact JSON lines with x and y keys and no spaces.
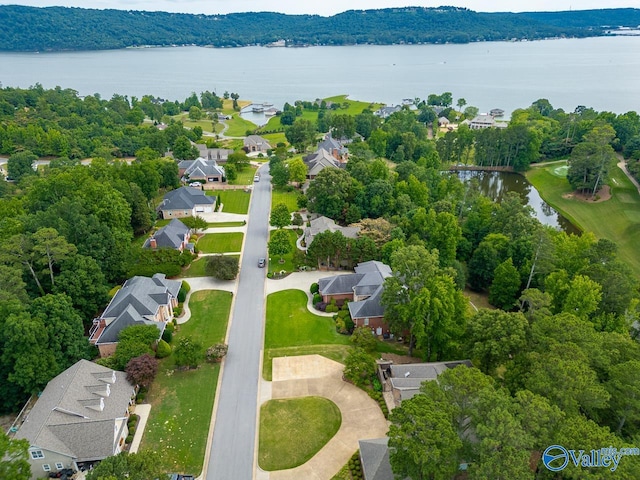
{"x":318,"y":161}
{"x":140,"y":301}
{"x":374,"y":458}
{"x":255,"y":143}
{"x":404,"y":381}
{"x":335,"y":147}
{"x":201,"y":169}
{"x":326,"y":224}
{"x":174,"y":235}
{"x":220,"y":155}
{"x":81,"y":416}
{"x":363,"y":290}
{"x":384,"y":112}
{"x":186,"y":202}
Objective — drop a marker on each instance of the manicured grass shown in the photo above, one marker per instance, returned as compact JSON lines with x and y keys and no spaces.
{"x":616,"y":219}
{"x":355,"y":107}
{"x":182,"y":401}
{"x":290,"y":324}
{"x":290,"y":199}
{"x":225,"y":224}
{"x":245,"y":177}
{"x":275,"y":138}
{"x":287,"y":265}
{"x":220,"y":242}
{"x":196,"y":269}
{"x":233,"y":201}
{"x":238,"y":126}
{"x":227,"y":105}
{"x":294,"y":430}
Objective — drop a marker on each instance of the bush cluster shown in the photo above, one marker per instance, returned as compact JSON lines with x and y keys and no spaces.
{"x":377,"y":396}
{"x":315,"y":288}
{"x":355,"y":468}
{"x":182,"y":294}
{"x":163,"y":350}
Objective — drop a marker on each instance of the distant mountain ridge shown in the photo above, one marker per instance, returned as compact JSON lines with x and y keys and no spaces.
{"x":65,"y":28}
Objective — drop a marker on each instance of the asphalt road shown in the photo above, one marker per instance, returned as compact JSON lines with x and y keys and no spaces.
{"x":232,"y":450}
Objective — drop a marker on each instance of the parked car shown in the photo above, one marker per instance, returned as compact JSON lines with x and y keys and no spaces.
{"x":179,"y":476}
{"x":256,"y":178}
{"x":195,"y":184}
{"x":262,"y":262}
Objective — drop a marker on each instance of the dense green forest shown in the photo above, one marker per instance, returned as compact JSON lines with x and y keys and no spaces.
{"x":60,"y":28}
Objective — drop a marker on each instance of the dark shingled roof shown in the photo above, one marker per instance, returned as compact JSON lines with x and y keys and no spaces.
{"x":170,"y":236}
{"x":185,"y":198}
{"x":77,"y":413}
{"x":374,"y":455}
{"x":136,"y":303}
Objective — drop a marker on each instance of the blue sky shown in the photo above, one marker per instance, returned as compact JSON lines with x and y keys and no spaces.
{"x":329,"y":7}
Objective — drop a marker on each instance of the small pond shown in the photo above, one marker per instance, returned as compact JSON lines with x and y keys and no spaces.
{"x":495,"y":185}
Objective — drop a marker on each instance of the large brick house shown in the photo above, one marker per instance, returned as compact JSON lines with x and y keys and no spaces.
{"x":186,"y":202}
{"x":363,"y":289}
{"x":140,"y":301}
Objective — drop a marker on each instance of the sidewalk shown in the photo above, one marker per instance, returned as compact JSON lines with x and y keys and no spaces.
{"x":141,"y":410}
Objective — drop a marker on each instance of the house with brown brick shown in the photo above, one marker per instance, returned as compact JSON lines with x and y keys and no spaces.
{"x":175,"y":235}
{"x":140,"y":301}
{"x":363,"y":290}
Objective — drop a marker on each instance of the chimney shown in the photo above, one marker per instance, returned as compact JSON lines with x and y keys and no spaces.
{"x":153,"y":243}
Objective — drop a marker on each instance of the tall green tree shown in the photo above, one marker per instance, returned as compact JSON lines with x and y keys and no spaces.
{"x":279,"y":244}
{"x":20,"y":165}
{"x":505,"y":287}
{"x":144,"y":465}
{"x":14,"y":454}
{"x":280,"y":216}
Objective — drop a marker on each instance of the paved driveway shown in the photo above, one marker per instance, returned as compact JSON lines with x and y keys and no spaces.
{"x":232,"y":450}
{"x":316,"y":375}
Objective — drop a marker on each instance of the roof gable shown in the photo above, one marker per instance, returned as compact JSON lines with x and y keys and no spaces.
{"x":185,"y":198}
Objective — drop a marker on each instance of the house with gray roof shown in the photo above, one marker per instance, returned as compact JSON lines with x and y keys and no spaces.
{"x":404,"y":381}
{"x":174,"y":235}
{"x":363,"y":290}
{"x":384,"y":112}
{"x":220,"y":155}
{"x":140,"y":301}
{"x":326,"y":224}
{"x":374,"y":458}
{"x":482,"y":121}
{"x":81,"y":416}
{"x":318,"y":161}
{"x":201,"y":169}
{"x":186,"y":202}
{"x":335,"y":147}
{"x":255,"y":143}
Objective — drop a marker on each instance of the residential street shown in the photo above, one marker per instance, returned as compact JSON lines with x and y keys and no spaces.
{"x":232,"y":450}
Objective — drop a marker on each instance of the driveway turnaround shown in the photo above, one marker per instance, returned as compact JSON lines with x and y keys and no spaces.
{"x":233,"y":445}
{"x":362,"y":418}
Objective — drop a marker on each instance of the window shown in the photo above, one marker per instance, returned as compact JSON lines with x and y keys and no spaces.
{"x":35,"y":454}
{"x":46,"y":467}
{"x":59,"y":466}
{"x":366,"y":321}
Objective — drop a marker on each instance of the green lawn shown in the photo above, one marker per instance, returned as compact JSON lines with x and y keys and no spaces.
{"x":275,"y":138}
{"x":196,"y":269}
{"x":287,"y":265}
{"x":220,"y":242}
{"x":294,"y":430}
{"x":616,"y":219}
{"x":182,"y":401}
{"x":205,"y":123}
{"x":290,"y":199}
{"x":238,"y":126}
{"x":355,"y":107}
{"x":290,"y":324}
{"x":245,"y":177}
{"x":233,"y":201}
{"x":225,"y":224}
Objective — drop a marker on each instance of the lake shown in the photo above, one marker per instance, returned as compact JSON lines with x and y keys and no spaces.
{"x":597,"y":72}
{"x":495,"y":186}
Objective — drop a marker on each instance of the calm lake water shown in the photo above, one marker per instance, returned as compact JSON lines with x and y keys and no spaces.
{"x":597,"y":72}
{"x":495,"y":185}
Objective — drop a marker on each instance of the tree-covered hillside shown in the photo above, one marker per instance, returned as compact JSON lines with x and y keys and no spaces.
{"x":61,"y":28}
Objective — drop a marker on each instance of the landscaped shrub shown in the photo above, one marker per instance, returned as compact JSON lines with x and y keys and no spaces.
{"x":317,"y":298}
{"x":132,"y":430}
{"x":133,"y":420}
{"x":129,"y":439}
{"x":167,"y":335}
{"x":216,"y":352}
{"x":177,"y":311}
{"x":163,"y":349}
{"x":297,"y":219}
{"x":315,"y":288}
{"x":170,"y":326}
{"x":184,"y":289}
{"x":331,"y":308}
{"x":320,"y":306}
